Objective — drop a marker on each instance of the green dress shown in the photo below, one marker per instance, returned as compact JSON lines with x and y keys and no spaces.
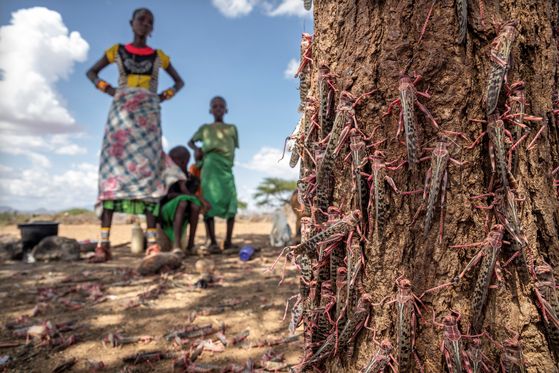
{"x":219,"y":141}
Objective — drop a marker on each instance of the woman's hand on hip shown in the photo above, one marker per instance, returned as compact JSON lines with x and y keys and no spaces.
{"x":111,"y":91}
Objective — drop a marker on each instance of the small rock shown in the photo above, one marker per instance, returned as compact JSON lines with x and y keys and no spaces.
{"x":205,"y":266}
{"x":57,"y":248}
{"x":154,"y":263}
{"x":11,"y":248}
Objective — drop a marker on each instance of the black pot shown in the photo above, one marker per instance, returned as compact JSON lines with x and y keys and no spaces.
{"x":33,"y":233}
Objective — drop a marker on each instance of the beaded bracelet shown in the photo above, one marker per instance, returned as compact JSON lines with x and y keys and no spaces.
{"x":167,"y":94}
{"x":101,"y":85}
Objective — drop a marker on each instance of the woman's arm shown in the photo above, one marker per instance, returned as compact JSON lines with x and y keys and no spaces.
{"x":178,"y":82}
{"x":93,"y":73}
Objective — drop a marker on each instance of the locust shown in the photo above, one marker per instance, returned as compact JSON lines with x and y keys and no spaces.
{"x":297,"y":137}
{"x":298,"y":141}
{"x":548,"y":301}
{"x":462,"y":15}
{"x":327,"y":302}
{"x":455,"y":356}
{"x":497,"y":132}
{"x":406,"y":102}
{"x":326,"y":92}
{"x":475,"y":357}
{"x":308,"y":162}
{"x":351,"y":328}
{"x":381,"y":358}
{"x":377,"y":194}
{"x":345,"y":118}
{"x":437,"y":174}
{"x":512,"y":358}
{"x":516,"y":104}
{"x":303,"y":72}
{"x":304,"y":261}
{"x":489,"y":252}
{"x":505,"y":210}
{"x":406,"y":322}
{"x":359,"y":154}
{"x":355,"y":265}
{"x":334,"y":233}
{"x":500,"y":57}
{"x":307,"y":185}
{"x":341,"y":299}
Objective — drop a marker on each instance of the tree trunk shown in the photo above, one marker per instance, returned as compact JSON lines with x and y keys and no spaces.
{"x":367,"y":43}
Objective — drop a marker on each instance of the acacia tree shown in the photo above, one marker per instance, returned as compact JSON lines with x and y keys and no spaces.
{"x":274,"y":192}
{"x":367,"y":43}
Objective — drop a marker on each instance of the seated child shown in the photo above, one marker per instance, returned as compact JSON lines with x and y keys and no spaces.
{"x":181,"y":206}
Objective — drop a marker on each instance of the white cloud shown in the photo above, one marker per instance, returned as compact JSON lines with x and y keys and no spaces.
{"x":36,"y":187}
{"x":266,"y":161}
{"x":5,"y":169}
{"x":290,"y":8}
{"x":165,"y":144}
{"x":36,"y":50}
{"x":234,"y":8}
{"x":71,"y":149}
{"x":291,"y":69}
{"x":272,"y":8}
{"x":27,"y":145}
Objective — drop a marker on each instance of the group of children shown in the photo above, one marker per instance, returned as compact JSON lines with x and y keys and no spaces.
{"x":209,"y":187}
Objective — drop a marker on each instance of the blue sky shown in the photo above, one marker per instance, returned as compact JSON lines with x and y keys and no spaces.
{"x":52,"y":118}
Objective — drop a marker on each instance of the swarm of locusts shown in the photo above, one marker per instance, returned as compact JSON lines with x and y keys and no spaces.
{"x":332,"y":304}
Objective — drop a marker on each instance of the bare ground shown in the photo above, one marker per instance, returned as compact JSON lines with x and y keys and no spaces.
{"x":19,"y":283}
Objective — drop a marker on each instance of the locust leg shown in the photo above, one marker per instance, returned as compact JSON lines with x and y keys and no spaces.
{"x":424,"y":109}
{"x":392,"y":184}
{"x":443,"y":193}
{"x":532,"y":146}
{"x":343,"y":137}
{"x":475,"y":260}
{"x":426,"y":21}
{"x":424,"y":195}
{"x":479,"y":138}
{"x":390,"y":107}
{"x":400,"y":125}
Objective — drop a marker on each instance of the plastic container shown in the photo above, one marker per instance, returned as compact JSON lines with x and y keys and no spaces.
{"x":137,"y":242}
{"x":32,"y":233}
{"x":246,"y":253}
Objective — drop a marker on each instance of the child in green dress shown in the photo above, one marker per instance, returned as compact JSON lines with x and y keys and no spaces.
{"x":219,"y":141}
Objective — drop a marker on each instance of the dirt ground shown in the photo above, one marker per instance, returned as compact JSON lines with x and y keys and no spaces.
{"x":260,"y":310}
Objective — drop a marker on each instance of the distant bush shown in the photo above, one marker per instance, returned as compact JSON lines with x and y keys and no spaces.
{"x":76,"y":212}
{"x":14,"y":217}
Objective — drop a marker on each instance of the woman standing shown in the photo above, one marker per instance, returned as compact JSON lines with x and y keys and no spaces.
{"x":134,"y":170}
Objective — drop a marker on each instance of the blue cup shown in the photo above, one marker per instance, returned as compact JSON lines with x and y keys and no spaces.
{"x":246,"y":253}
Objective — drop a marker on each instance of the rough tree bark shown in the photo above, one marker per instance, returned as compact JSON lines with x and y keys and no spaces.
{"x":367,"y":42}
